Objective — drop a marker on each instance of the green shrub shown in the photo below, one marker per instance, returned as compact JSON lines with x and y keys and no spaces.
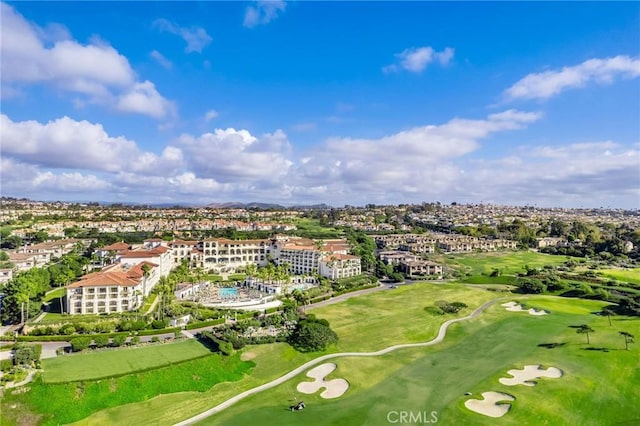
{"x":80,"y":343}
{"x":119,"y":340}
{"x":101,"y":340}
{"x":6,"y":365}
{"x":67,"y":330}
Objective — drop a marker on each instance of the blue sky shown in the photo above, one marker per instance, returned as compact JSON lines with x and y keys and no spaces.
{"x":335,"y":102}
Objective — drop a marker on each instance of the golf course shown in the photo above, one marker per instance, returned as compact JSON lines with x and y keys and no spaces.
{"x":434,"y":381}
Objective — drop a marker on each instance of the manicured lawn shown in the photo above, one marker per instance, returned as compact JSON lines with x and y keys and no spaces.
{"x":116,"y":362}
{"x":377,"y":320}
{"x":148,"y":302}
{"x":58,"y":292}
{"x":63,"y":403}
{"x":597,"y":388}
{"x":507,"y":262}
{"x":625,"y":275}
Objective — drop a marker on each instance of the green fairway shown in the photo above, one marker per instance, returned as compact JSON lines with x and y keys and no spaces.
{"x":624,"y":275}
{"x":377,"y":320}
{"x":507,"y":262}
{"x":63,"y":403}
{"x":109,"y":363}
{"x":597,"y":388}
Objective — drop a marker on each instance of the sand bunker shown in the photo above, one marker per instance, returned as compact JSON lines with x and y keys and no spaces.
{"x":515,"y":307}
{"x":489,"y":406}
{"x":528,"y":374}
{"x":333,"y":388}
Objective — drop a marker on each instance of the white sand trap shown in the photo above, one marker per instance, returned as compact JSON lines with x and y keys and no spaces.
{"x":528,"y":374}
{"x":489,"y":405}
{"x":333,"y":388}
{"x":515,"y":307}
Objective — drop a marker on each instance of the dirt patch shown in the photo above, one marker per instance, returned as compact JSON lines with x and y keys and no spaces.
{"x":248,"y":355}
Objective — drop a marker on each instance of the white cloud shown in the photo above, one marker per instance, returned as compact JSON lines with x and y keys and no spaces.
{"x":161,"y":59}
{"x":546,"y":84}
{"x":195,"y":37}
{"x":590,"y":174}
{"x":69,"y":144}
{"x":230,"y":155}
{"x":24,"y":178}
{"x":143,"y":98}
{"x":416,"y":59}
{"x":263,"y":12}
{"x":210,"y":115}
{"x":410,"y":161}
{"x":96,"y":70}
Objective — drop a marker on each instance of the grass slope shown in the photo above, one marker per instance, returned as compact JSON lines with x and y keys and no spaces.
{"x":109,"y":363}
{"x":52,"y":404}
{"x":625,"y":275}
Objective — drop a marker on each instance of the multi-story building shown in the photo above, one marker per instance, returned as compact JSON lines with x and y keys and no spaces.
{"x":183,"y":250}
{"x":420,"y":267}
{"x":117,"y":288}
{"x":159,"y":255}
{"x":222,"y":254}
{"x":335,"y":266}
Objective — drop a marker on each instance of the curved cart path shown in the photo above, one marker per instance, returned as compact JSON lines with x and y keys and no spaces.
{"x":229,"y":402}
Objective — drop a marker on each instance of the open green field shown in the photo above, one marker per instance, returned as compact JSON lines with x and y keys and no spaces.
{"x":384,"y":318}
{"x":599,"y":385}
{"x":63,"y":403}
{"x":312,"y":228}
{"x":109,"y":363}
{"x":507,"y":262}
{"x":625,"y":275}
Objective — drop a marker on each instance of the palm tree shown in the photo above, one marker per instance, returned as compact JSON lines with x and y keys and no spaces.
{"x":628,"y":338}
{"x":585,"y":329}
{"x":22,"y":297}
{"x":608,"y":312}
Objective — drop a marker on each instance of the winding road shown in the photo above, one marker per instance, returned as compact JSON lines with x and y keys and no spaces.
{"x":441,"y":335}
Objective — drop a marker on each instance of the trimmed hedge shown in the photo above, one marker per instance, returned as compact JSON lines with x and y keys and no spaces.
{"x":94,"y":336}
{"x":201,"y":324}
{"x":351,"y":290}
{"x":159,"y":331}
{"x":320,"y":298}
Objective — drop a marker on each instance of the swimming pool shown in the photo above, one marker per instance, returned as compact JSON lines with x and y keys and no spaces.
{"x":228,"y":292}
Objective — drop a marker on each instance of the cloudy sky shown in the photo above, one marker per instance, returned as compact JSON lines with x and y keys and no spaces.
{"x":334,"y":102}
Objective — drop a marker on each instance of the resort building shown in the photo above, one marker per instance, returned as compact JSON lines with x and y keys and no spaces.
{"x":335,"y":266}
{"x":420,"y":267}
{"x":117,"y":288}
{"x":224,"y":255}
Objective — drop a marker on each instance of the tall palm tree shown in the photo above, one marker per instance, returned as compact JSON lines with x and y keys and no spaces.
{"x":585,"y":329}
{"x":22,"y":298}
{"x":628,"y":338}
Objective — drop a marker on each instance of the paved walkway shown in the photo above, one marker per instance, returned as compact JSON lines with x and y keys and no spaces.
{"x":441,"y":334}
{"x":24,"y":382}
{"x":153,"y":305}
{"x":187,"y":334}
